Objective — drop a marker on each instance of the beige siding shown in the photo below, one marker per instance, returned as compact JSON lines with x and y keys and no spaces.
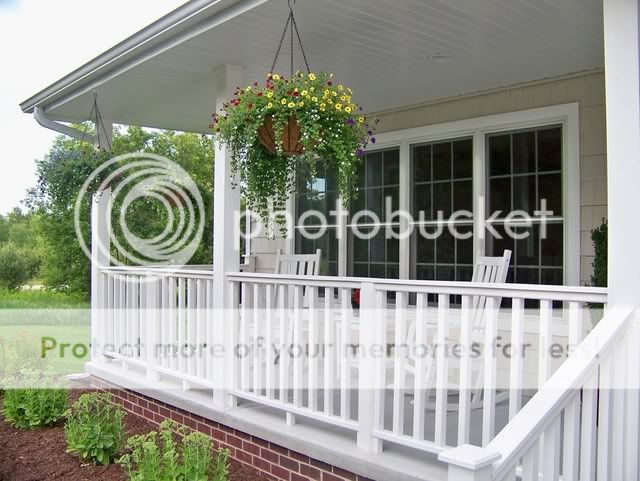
{"x":588,"y":90}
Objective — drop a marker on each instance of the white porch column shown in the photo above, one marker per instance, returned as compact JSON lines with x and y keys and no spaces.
{"x":100,"y":257}
{"x":226,"y":245}
{"x":622,"y":77}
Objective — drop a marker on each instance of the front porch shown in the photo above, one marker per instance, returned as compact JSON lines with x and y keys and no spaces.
{"x":483,"y":107}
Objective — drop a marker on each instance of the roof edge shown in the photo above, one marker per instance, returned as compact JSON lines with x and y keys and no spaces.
{"x":163,"y":25}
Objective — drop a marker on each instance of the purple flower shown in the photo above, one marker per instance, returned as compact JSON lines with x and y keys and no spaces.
{"x":370,"y":132}
{"x":373,"y":140}
{"x":350,"y":121}
{"x":360,"y":153}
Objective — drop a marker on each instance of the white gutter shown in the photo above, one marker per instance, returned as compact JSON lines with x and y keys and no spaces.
{"x":38,"y":114}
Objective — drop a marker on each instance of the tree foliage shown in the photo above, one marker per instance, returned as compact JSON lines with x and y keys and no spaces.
{"x":63,"y":171}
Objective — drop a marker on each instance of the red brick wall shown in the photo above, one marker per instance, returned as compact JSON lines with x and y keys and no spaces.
{"x":273,"y":461}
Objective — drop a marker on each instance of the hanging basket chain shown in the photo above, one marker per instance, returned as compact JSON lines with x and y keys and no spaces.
{"x":291,"y":25}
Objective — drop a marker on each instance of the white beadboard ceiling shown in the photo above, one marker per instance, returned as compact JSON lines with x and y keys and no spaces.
{"x":380,"y":48}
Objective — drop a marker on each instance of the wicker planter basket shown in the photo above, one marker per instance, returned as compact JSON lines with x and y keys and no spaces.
{"x":291,"y":143}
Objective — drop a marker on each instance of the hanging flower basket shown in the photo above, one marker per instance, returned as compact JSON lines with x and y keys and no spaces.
{"x":272,"y":129}
{"x":290,"y":141}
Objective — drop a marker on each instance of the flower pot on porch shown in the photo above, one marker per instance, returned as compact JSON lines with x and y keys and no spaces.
{"x":291,"y":142}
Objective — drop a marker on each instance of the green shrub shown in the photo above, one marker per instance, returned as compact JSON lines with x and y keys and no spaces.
{"x":173,"y":454}
{"x":94,"y":428}
{"x":18,"y":265}
{"x":599,"y":238}
{"x":34,"y":407}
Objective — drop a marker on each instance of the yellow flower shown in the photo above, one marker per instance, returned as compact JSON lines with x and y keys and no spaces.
{"x":338,"y":106}
{"x":291,"y":105}
{"x":269,"y":105}
{"x":311,"y":89}
{"x":315,"y":99}
{"x":343,"y":98}
{"x":283,"y":101}
{"x":347,"y":110}
{"x":269,"y":94}
{"x":276,"y":77}
{"x":304,"y":93}
{"x":295,"y":89}
{"x":329,"y":101}
{"x":350,"y":91}
{"x":348,"y":98}
{"x":325,"y":93}
{"x":340,"y":87}
{"x":322,"y":105}
{"x":321,"y":109}
{"x":248,"y":89}
{"x":301,"y":104}
{"x":312,"y":76}
{"x":361,"y":119}
{"x":335,"y":94}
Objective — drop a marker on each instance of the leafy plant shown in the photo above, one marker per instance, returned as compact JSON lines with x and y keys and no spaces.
{"x":599,"y":238}
{"x":33,"y":407}
{"x":94,"y":428}
{"x":20,"y":355}
{"x":173,"y":454}
{"x":330,"y":126}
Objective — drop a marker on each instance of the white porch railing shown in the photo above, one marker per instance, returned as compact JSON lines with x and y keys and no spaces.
{"x":372,"y":394}
{"x":295,"y":343}
{"x":573,"y":427}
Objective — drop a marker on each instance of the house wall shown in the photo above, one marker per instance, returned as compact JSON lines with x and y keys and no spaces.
{"x":587,"y":89}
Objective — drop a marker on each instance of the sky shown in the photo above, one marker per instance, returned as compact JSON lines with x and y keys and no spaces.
{"x":40,"y":42}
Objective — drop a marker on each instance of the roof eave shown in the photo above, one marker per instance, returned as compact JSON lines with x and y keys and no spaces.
{"x":180,"y":20}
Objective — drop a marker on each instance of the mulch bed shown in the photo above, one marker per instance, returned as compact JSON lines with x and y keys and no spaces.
{"x":40,"y":455}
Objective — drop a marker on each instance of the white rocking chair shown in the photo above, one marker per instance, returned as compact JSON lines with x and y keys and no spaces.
{"x":486,"y":270}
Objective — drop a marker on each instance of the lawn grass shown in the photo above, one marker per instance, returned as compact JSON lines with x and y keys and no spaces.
{"x":57,"y":349}
{"x":31,"y":319}
{"x":41,"y":299}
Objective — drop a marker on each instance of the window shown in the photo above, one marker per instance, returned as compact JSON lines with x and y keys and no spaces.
{"x":319,"y":194}
{"x":378,"y":184}
{"x":525,"y":169}
{"x":442,"y":181}
{"x":519,"y":158}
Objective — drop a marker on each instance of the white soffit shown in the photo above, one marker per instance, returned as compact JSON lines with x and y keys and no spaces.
{"x":380,"y":48}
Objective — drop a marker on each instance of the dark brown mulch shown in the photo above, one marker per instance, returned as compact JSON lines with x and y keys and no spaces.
{"x":40,"y":455}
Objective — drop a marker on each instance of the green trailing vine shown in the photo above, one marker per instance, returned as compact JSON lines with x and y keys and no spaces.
{"x":329,"y":124}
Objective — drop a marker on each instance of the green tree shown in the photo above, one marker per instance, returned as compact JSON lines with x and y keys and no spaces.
{"x":18,"y":265}
{"x":63,"y":171}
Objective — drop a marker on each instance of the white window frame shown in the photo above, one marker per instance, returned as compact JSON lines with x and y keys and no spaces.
{"x":566,"y":115}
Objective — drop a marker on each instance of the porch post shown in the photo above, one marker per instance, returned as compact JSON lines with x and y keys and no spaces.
{"x":226,"y":245}
{"x":469,"y":463}
{"x":100,"y":257}
{"x":622,"y":77}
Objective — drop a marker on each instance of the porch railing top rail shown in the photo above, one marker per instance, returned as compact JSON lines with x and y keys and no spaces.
{"x":528,"y":291}
{"x":179,"y":271}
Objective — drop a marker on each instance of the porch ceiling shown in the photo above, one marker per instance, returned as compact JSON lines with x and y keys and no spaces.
{"x":379,"y":47}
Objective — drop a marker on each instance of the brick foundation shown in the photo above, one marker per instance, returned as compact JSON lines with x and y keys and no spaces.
{"x":273,"y":461}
